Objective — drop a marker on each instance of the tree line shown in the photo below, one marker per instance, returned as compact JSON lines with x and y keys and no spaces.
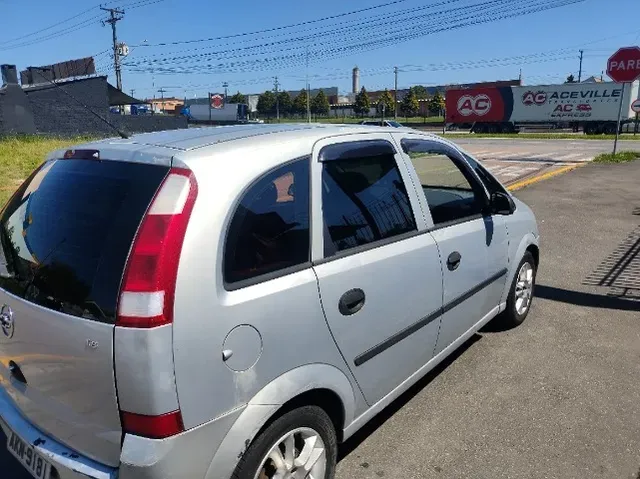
{"x":408,"y":106}
{"x":269,"y":104}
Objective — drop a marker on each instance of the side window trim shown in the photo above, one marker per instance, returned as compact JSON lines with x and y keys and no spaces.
{"x":385,"y":143}
{"x":262,"y":278}
{"x":342,"y":151}
{"x":369,"y":246}
{"x":467,"y":157}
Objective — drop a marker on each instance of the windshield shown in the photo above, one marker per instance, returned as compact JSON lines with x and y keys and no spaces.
{"x":395,"y":124}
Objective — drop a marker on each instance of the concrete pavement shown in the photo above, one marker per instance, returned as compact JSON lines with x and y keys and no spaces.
{"x":512,"y":160}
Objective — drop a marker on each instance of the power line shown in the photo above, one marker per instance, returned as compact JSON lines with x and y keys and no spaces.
{"x":339,"y":46}
{"x":274,"y":29}
{"x":71,"y":28}
{"x":26,"y":35}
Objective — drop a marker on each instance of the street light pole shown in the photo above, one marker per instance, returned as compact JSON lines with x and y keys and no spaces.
{"x":395,"y":95}
{"x":308,"y":88}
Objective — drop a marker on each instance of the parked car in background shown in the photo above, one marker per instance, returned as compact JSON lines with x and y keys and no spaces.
{"x":234,"y":302}
{"x":391,"y":123}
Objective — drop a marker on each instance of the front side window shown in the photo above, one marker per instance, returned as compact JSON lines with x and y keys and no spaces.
{"x":364,"y":199}
{"x":269,"y":231}
{"x":450,"y":189}
{"x":487,"y":178}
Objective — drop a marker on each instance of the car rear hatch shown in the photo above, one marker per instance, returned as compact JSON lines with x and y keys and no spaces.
{"x":65,"y":236}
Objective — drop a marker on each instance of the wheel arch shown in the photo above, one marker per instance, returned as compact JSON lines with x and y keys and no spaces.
{"x":528,"y":243}
{"x":316,"y":384}
{"x":535,"y":252}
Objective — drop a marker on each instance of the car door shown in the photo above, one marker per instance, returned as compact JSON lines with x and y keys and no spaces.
{"x":378,"y":268}
{"x":472,"y":243}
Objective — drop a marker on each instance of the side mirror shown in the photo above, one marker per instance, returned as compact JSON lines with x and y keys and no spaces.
{"x":502,"y":204}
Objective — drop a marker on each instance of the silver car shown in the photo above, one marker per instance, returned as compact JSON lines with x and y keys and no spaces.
{"x":235,"y":302}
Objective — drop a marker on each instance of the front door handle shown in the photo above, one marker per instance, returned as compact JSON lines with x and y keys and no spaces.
{"x":351,"y":302}
{"x":453,"y":261}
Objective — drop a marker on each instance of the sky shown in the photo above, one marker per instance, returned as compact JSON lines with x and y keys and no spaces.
{"x":432,"y":42}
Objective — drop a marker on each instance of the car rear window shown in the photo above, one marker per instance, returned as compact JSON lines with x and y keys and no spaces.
{"x":66,"y":233}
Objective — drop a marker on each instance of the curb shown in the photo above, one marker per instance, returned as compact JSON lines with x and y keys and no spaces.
{"x":544,"y":176}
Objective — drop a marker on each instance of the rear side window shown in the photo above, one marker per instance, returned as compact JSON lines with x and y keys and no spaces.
{"x":269,"y":232}
{"x":66,"y":233}
{"x":364,"y":199}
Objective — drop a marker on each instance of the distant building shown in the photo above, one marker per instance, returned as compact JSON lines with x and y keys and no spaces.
{"x":169,"y":105}
{"x":593,"y":79}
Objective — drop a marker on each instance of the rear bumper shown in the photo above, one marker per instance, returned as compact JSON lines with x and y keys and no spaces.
{"x":67,"y":462}
{"x":186,"y":455}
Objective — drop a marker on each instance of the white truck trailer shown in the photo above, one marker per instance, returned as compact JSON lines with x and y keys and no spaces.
{"x":592,"y":107}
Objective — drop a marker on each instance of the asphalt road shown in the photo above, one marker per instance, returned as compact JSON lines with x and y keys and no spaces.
{"x":558,"y":397}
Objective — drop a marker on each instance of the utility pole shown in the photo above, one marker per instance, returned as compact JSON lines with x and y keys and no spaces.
{"x":161,"y":91}
{"x":132,"y":92}
{"x":308,"y":89}
{"x":580,"y":70}
{"x":395,"y":95}
{"x":276,"y":85}
{"x":115,"y":16}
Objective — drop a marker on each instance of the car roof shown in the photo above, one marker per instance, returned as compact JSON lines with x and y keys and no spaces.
{"x":169,"y":147}
{"x":194,"y":138}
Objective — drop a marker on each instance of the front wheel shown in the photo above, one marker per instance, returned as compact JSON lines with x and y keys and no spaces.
{"x":300,"y":444}
{"x":521,"y":292}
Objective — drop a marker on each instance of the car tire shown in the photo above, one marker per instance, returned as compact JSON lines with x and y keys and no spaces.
{"x":311,"y":428}
{"x":521,"y":292}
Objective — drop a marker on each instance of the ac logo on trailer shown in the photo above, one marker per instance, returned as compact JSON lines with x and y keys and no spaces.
{"x":534,"y":98}
{"x":474,"y":105}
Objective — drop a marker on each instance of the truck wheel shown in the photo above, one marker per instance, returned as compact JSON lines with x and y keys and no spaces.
{"x":610,"y":129}
{"x":300,"y":443}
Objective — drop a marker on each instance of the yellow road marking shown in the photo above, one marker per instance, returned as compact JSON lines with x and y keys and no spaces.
{"x":544,"y":176}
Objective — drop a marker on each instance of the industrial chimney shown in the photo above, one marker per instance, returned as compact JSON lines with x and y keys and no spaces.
{"x":356,"y":80}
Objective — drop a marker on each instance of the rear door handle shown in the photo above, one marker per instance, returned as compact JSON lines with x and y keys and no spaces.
{"x":351,"y":302}
{"x":453,"y":261}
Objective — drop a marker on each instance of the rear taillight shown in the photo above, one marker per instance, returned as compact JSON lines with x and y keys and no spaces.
{"x":153,"y":427}
{"x":148,"y":288}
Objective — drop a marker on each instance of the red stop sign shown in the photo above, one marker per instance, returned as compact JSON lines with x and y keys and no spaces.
{"x":624,"y":65}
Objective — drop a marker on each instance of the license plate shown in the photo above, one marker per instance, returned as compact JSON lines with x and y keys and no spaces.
{"x":26,"y":454}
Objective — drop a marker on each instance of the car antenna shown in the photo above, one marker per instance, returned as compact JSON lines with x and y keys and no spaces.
{"x":94,"y":113}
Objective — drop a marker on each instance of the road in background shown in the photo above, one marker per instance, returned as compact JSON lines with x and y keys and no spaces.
{"x":556,"y":397}
{"x":514,"y":159}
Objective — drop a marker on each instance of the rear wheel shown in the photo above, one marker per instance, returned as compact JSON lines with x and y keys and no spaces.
{"x":521,"y":293}
{"x":300,"y":444}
